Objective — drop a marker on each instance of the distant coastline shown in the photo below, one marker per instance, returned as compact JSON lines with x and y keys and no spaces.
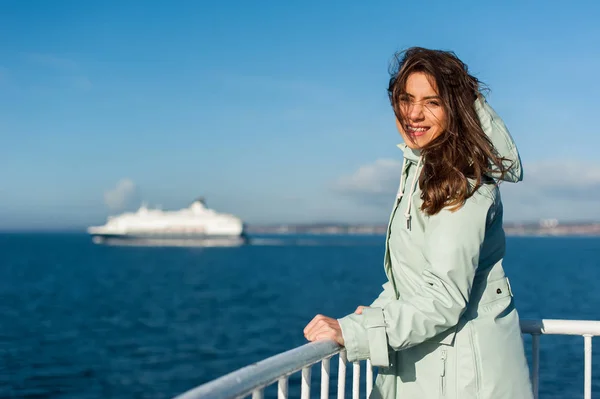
{"x":549,"y":227}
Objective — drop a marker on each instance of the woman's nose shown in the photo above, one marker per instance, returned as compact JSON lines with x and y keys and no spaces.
{"x":415,"y":112}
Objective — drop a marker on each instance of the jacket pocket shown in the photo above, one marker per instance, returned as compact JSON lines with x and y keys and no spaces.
{"x":495,"y":290}
{"x":475,"y":358}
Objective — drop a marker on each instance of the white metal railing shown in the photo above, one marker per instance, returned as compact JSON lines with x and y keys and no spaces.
{"x":253,"y":379}
{"x":585,"y":328}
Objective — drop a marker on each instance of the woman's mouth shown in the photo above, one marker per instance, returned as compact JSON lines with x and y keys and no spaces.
{"x":416,"y":130}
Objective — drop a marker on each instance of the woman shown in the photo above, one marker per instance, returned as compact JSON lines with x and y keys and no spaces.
{"x":445,"y":324}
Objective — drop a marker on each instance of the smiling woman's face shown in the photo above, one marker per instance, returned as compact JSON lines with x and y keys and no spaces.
{"x":421,"y":106}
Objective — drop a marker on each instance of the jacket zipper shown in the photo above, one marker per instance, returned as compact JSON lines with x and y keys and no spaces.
{"x":443,"y":374}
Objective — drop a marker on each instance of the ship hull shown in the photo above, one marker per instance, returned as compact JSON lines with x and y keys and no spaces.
{"x":165,"y":236}
{"x":152,"y":239}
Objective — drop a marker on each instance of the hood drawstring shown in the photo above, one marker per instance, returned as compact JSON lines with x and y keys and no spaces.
{"x":401,"y":188}
{"x":410,"y":193}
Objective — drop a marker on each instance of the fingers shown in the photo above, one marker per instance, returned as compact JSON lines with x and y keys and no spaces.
{"x":323,"y":327}
{"x":310,"y":326}
{"x":359,"y":309}
{"x":328,"y":335}
{"x":317,"y":324}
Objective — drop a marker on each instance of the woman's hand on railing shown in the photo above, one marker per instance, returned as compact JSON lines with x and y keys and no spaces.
{"x":323,"y":327}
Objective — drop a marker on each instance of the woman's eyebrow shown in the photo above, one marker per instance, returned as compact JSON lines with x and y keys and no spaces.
{"x":424,"y":98}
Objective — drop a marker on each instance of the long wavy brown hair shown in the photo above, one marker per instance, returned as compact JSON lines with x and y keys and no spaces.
{"x":461,"y":158}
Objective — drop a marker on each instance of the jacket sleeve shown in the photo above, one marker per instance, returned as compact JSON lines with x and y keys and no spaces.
{"x":355,"y":335}
{"x":387,"y":295}
{"x":451,"y":249}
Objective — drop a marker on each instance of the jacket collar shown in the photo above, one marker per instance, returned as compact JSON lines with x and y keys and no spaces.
{"x":410,"y":154}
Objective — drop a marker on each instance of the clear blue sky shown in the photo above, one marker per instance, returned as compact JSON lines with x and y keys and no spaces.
{"x":275,"y":111}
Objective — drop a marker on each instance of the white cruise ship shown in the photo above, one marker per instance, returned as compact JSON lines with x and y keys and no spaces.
{"x":195,"y":222}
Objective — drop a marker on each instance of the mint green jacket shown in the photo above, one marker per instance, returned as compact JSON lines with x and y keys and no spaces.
{"x":445,"y":325}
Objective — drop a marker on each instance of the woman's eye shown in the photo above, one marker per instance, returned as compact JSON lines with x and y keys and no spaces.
{"x":433,"y":103}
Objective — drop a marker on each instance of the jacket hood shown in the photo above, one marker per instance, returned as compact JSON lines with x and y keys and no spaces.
{"x":503,"y":143}
{"x":499,"y":136}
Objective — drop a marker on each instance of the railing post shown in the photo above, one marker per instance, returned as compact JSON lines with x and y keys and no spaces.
{"x":587,"y":352}
{"x":355,"y":380}
{"x":305,"y":390}
{"x":282,"y":388}
{"x":342,"y":375}
{"x":535,"y":355}
{"x":325,"y":378}
{"x":369,"y":377}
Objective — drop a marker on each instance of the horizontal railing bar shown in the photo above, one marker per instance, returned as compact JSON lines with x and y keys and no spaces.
{"x":561,"y":327}
{"x":244,"y":381}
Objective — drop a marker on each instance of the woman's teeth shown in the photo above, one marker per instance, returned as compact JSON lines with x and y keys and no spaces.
{"x":417,"y":129}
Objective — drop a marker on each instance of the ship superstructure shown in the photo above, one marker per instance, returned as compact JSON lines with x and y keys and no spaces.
{"x":196,"y":221}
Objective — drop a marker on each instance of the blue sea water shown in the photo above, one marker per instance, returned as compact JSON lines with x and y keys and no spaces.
{"x":79,"y":320}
